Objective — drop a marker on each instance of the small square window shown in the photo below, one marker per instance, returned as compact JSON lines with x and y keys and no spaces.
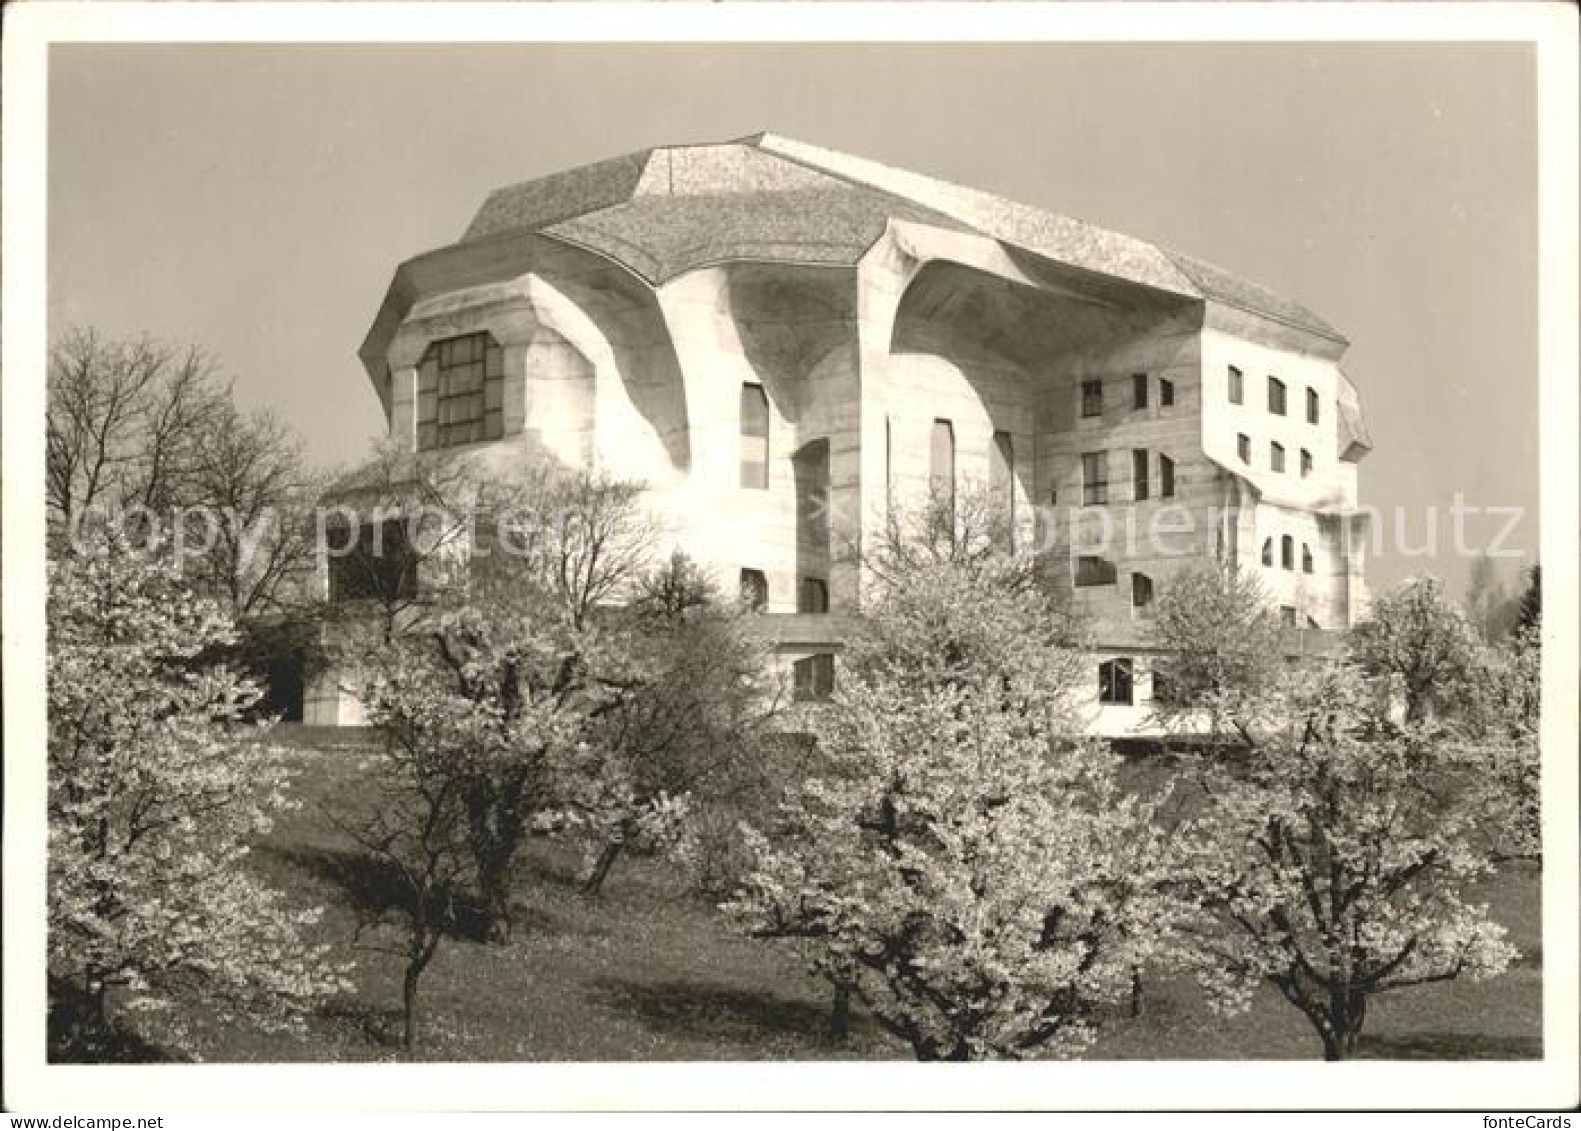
{"x":1092,"y":570}
{"x":1092,"y":398}
{"x":813,"y":677}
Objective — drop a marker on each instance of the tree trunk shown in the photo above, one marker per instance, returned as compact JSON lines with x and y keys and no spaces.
{"x":601,"y":867}
{"x":840,"y":1012}
{"x":414,"y":971}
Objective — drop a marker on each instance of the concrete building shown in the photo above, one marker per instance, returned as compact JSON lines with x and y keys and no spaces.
{"x":758,"y":326}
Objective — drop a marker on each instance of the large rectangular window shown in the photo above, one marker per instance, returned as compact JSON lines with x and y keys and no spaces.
{"x":1166,"y":477}
{"x":372,"y":562}
{"x":1276,"y":396}
{"x":754,"y":437}
{"x":1002,"y":485}
{"x":460,"y":392}
{"x":1094,"y":478}
{"x":1139,"y":478}
{"x":1092,"y":398}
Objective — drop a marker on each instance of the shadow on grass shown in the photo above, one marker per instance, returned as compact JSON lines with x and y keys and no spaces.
{"x":374,"y":887}
{"x":681,"y":1008}
{"x":378,"y":1026}
{"x":1451,"y":1046}
{"x":77,"y":1036}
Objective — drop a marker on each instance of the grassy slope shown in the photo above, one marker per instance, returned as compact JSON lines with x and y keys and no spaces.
{"x":646,"y":973}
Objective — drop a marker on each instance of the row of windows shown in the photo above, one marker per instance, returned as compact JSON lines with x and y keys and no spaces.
{"x":1092,"y":570}
{"x":1276,"y":454}
{"x":812,"y":595}
{"x":1276,"y":396}
{"x":1287,"y":554}
{"x":1141,"y":389}
{"x":1095,"y":477}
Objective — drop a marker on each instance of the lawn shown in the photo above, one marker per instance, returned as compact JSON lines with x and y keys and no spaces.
{"x":648,"y":972}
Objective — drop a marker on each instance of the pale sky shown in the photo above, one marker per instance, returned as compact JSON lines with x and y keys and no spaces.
{"x":256,"y":199}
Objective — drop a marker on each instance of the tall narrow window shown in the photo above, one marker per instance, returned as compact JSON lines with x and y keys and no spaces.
{"x":1306,"y":558}
{"x":1287,"y":552}
{"x":1166,"y":392}
{"x":1114,"y":682}
{"x":1306,"y":463}
{"x":813,"y":677}
{"x":1268,"y":552}
{"x":460,"y":392}
{"x":754,"y":590}
{"x":1287,"y":615}
{"x":1166,"y":477}
{"x":1312,"y":406}
{"x":1139,"y":390}
{"x":941,"y":469}
{"x":1276,"y":396}
{"x":1094,"y":478}
{"x":1243,"y":447}
{"x":1276,"y":456}
{"x":1139,"y":473}
{"x":1092,"y":398}
{"x":814,"y":596}
{"x":889,"y":468}
{"x":1141,"y":590}
{"x":1237,"y":386}
{"x":1002,"y":484}
{"x":754,"y":437}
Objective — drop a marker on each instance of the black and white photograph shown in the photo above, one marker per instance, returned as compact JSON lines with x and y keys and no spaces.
{"x":620,"y":556}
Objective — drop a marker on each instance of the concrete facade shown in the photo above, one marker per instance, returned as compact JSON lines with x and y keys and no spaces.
{"x":632,"y":301}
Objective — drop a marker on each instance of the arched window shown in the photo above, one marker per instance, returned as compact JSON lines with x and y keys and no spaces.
{"x":754,"y":437}
{"x":1287,"y":552}
{"x":1141,"y":590}
{"x":754,"y":590}
{"x":1306,"y":463}
{"x":1306,"y":558}
{"x":1114,"y":682}
{"x":460,"y":392}
{"x":1276,"y":396}
{"x":1276,"y":456}
{"x":1268,"y":551}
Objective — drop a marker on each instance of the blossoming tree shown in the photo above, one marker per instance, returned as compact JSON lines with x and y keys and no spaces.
{"x":155,"y":792}
{"x":965,"y":863}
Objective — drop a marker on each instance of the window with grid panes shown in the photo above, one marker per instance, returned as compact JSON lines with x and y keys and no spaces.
{"x":460,"y":392}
